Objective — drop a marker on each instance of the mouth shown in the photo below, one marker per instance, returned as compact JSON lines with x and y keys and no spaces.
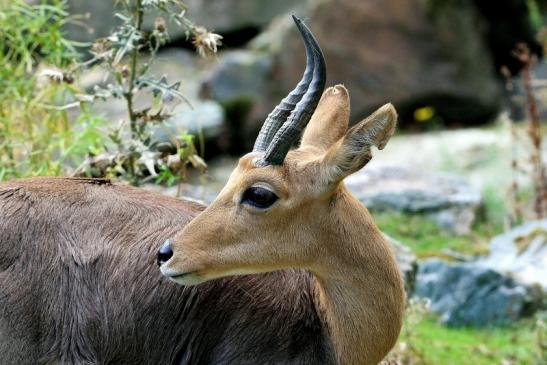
{"x":187,"y":278}
{"x":180,"y":275}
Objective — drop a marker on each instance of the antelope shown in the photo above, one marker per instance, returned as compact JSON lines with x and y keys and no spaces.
{"x":284,"y":267}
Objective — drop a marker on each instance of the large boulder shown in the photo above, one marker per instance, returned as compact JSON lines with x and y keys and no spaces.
{"x":204,"y":117}
{"x":98,"y":17}
{"x":239,"y":82}
{"x":221,"y":15}
{"x":468,"y":294}
{"x":522,"y":253}
{"x":229,"y":15}
{"x":238,"y":74}
{"x":406,"y":52}
{"x":448,"y":200}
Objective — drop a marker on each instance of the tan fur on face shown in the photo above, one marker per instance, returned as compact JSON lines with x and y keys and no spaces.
{"x":315,"y":225}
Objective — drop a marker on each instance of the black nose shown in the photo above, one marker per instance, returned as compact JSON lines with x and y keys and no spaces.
{"x":165,"y":253}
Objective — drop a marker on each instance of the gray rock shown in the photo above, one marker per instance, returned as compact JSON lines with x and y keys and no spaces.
{"x":447,"y":199}
{"x":99,"y":19}
{"x":222,"y":16}
{"x":226,"y":15}
{"x":469,"y":294}
{"x":239,"y":83}
{"x":205,"y":117}
{"x":522,"y":253}
{"x":407,"y":263}
{"x":238,"y":74}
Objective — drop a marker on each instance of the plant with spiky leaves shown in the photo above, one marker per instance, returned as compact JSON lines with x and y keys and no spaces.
{"x":135,"y":157}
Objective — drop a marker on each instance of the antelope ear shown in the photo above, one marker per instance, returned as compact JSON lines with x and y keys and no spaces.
{"x":353,"y":151}
{"x":330,"y":119}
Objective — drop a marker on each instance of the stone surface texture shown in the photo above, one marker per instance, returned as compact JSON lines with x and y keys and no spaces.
{"x":521,"y":253}
{"x":447,"y":199}
{"x":469,"y":294}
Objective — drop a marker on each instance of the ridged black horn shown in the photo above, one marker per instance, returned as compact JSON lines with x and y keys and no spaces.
{"x":280,"y":113}
{"x":302,"y":112}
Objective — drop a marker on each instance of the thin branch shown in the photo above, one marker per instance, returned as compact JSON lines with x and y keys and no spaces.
{"x":133,"y":70}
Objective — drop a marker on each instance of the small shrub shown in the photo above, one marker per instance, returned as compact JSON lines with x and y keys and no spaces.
{"x":132,"y":153}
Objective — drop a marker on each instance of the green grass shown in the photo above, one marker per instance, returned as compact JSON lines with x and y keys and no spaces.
{"x":426,"y":239}
{"x":37,"y":136}
{"x":435,"y":344}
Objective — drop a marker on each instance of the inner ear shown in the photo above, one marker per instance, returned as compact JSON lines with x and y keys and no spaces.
{"x":330,"y":119}
{"x":354,"y":151}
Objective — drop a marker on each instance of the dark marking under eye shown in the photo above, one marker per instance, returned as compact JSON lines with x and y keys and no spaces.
{"x":259,"y":197}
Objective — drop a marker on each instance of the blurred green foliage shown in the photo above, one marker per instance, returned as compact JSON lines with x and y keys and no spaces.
{"x":536,"y":18}
{"x":36,"y":135}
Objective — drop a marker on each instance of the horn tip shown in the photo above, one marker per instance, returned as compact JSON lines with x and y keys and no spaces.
{"x":296,"y":19}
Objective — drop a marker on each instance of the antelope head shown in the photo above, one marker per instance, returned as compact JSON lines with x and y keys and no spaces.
{"x":279,"y":205}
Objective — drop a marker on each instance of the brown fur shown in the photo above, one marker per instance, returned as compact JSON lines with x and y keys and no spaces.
{"x":79,"y":284}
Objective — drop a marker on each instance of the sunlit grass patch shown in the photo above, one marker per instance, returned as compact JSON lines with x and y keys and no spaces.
{"x":436,"y":344}
{"x":426,"y":239}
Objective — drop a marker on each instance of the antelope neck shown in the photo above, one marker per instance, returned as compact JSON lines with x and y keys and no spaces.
{"x":359,"y":289}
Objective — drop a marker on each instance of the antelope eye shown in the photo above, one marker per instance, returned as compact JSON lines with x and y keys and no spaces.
{"x":259,"y":197}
